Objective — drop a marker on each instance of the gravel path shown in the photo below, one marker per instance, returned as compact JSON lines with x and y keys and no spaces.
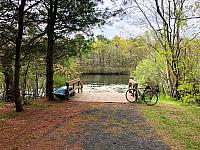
{"x":113,"y":126}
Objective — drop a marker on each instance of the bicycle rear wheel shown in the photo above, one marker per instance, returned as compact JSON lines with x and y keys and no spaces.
{"x":131,"y":95}
{"x":150,"y":98}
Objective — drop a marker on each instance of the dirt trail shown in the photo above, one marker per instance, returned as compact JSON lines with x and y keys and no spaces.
{"x":100,"y":97}
{"x":78,"y":126}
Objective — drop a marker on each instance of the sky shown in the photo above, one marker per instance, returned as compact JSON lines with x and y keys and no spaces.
{"x":134,"y":24}
{"x":119,"y":29}
{"x":123,"y":26}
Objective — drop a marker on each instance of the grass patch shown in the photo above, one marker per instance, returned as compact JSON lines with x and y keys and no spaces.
{"x":38,"y":106}
{"x":1,"y":103}
{"x":168,"y":100}
{"x":9,"y":115}
{"x":178,"y":125}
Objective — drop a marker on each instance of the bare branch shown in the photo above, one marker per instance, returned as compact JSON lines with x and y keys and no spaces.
{"x":35,"y":4}
{"x":155,"y":31}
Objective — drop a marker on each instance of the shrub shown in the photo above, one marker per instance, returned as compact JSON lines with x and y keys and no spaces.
{"x":146,"y":73}
{"x":189,"y":91}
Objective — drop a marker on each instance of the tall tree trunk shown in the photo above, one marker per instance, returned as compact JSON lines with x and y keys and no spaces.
{"x":176,"y":56}
{"x":50,"y":50}
{"x":16,"y":92}
{"x":172,"y":42}
{"x":168,"y":78}
{"x":175,"y":93}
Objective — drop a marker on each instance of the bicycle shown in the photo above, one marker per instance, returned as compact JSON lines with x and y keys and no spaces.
{"x":149,"y":96}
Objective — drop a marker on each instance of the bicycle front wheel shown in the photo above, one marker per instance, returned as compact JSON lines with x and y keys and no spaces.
{"x":131,"y":95}
{"x":150,"y":98}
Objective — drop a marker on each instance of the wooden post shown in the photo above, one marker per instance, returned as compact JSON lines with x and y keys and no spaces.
{"x":81,"y":86}
{"x":73,"y":89}
{"x":67,"y":91}
{"x":74,"y":85}
{"x":78,"y":85}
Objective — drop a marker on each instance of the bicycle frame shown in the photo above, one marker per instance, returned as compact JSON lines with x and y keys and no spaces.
{"x":139,"y":94}
{"x":149,"y":96}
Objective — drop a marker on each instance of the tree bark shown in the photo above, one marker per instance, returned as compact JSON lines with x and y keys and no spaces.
{"x":173,"y":73}
{"x":16,"y":91}
{"x":50,"y":49}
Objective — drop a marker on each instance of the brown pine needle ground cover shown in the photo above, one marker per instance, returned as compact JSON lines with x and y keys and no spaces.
{"x":77,"y":125}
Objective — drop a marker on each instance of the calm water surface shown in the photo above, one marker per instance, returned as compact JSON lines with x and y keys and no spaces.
{"x":105,"y":83}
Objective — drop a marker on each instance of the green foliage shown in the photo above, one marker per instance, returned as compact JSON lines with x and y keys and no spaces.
{"x":146,"y":73}
{"x":29,"y":72}
{"x":189,"y":91}
{"x":71,"y":47}
{"x":113,"y":56}
{"x":161,"y":70}
{"x":189,"y":84}
{"x":69,"y":70}
{"x":80,"y":15}
{"x":59,"y":80}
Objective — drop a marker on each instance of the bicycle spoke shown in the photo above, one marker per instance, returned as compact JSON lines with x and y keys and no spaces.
{"x":150,"y":98}
{"x":131,"y":95}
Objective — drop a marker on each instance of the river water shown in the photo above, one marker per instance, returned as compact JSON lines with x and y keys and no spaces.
{"x":105,"y":83}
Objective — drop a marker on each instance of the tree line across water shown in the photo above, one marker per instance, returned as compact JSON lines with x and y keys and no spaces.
{"x":43,"y":44}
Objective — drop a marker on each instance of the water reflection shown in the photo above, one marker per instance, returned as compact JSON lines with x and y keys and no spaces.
{"x":105,"y":83}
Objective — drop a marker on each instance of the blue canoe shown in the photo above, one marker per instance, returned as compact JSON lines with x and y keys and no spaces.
{"x":61,"y":92}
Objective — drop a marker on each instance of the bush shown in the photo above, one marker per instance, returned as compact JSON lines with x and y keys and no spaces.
{"x":146,"y":73}
{"x":189,"y":91}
